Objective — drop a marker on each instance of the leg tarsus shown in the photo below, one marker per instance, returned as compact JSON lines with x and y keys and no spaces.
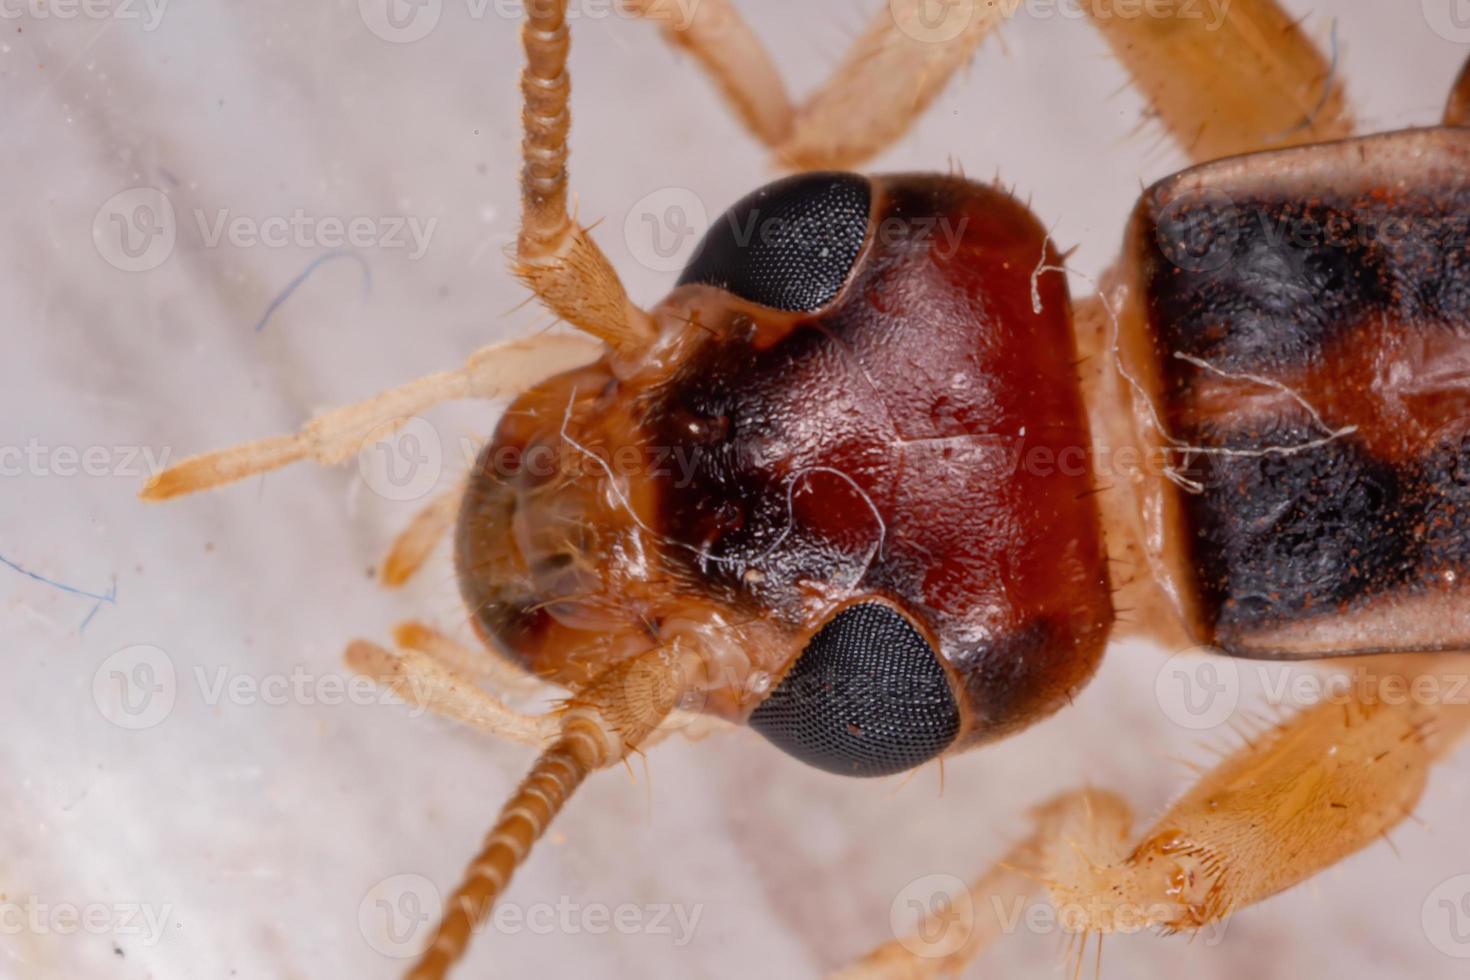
{"x":948,"y":939}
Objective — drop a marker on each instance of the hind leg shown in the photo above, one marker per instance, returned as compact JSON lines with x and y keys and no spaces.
{"x":1223,"y":78}
{"x":893,"y":70}
{"x":1237,"y":78}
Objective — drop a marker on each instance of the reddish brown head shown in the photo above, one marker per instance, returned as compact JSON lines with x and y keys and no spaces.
{"x":852,"y":471}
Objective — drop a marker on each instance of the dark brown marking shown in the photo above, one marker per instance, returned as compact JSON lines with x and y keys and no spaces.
{"x":1309,"y":322}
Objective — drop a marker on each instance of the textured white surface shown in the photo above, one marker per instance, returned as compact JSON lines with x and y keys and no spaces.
{"x":257,"y":830}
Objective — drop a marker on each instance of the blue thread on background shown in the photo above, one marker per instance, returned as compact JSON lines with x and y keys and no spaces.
{"x":294,"y":284}
{"x":109,"y":599}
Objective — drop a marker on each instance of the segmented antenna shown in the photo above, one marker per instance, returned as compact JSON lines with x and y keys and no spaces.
{"x":581,"y":749}
{"x":554,"y":256}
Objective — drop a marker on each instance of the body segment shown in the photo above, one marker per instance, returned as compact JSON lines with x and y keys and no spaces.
{"x":1298,"y":331}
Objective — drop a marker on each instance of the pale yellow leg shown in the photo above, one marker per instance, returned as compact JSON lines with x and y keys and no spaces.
{"x":1223,"y":78}
{"x":483,"y":665}
{"x":413,"y":546}
{"x":893,"y":71}
{"x":713,"y":32}
{"x":338,"y":434}
{"x":1228,"y":78}
{"x":946,"y":942}
{"x":424,"y":682}
{"x":1290,"y":803}
{"x":438,"y":674}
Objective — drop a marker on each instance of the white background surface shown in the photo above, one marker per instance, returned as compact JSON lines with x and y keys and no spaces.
{"x":258,"y":830}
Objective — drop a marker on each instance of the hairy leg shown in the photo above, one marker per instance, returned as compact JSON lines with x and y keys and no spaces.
{"x":1238,"y":77}
{"x":714,"y":34}
{"x":1223,"y":78}
{"x":893,"y":71}
{"x":1288,"y":804}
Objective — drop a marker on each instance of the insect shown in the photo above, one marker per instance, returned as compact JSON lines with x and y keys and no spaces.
{"x":859,"y":554}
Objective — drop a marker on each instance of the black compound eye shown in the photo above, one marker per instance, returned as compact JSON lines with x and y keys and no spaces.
{"x":789,"y":245}
{"x":867,"y":697}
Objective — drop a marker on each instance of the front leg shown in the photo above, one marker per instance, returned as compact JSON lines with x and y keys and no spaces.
{"x":1287,"y":805}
